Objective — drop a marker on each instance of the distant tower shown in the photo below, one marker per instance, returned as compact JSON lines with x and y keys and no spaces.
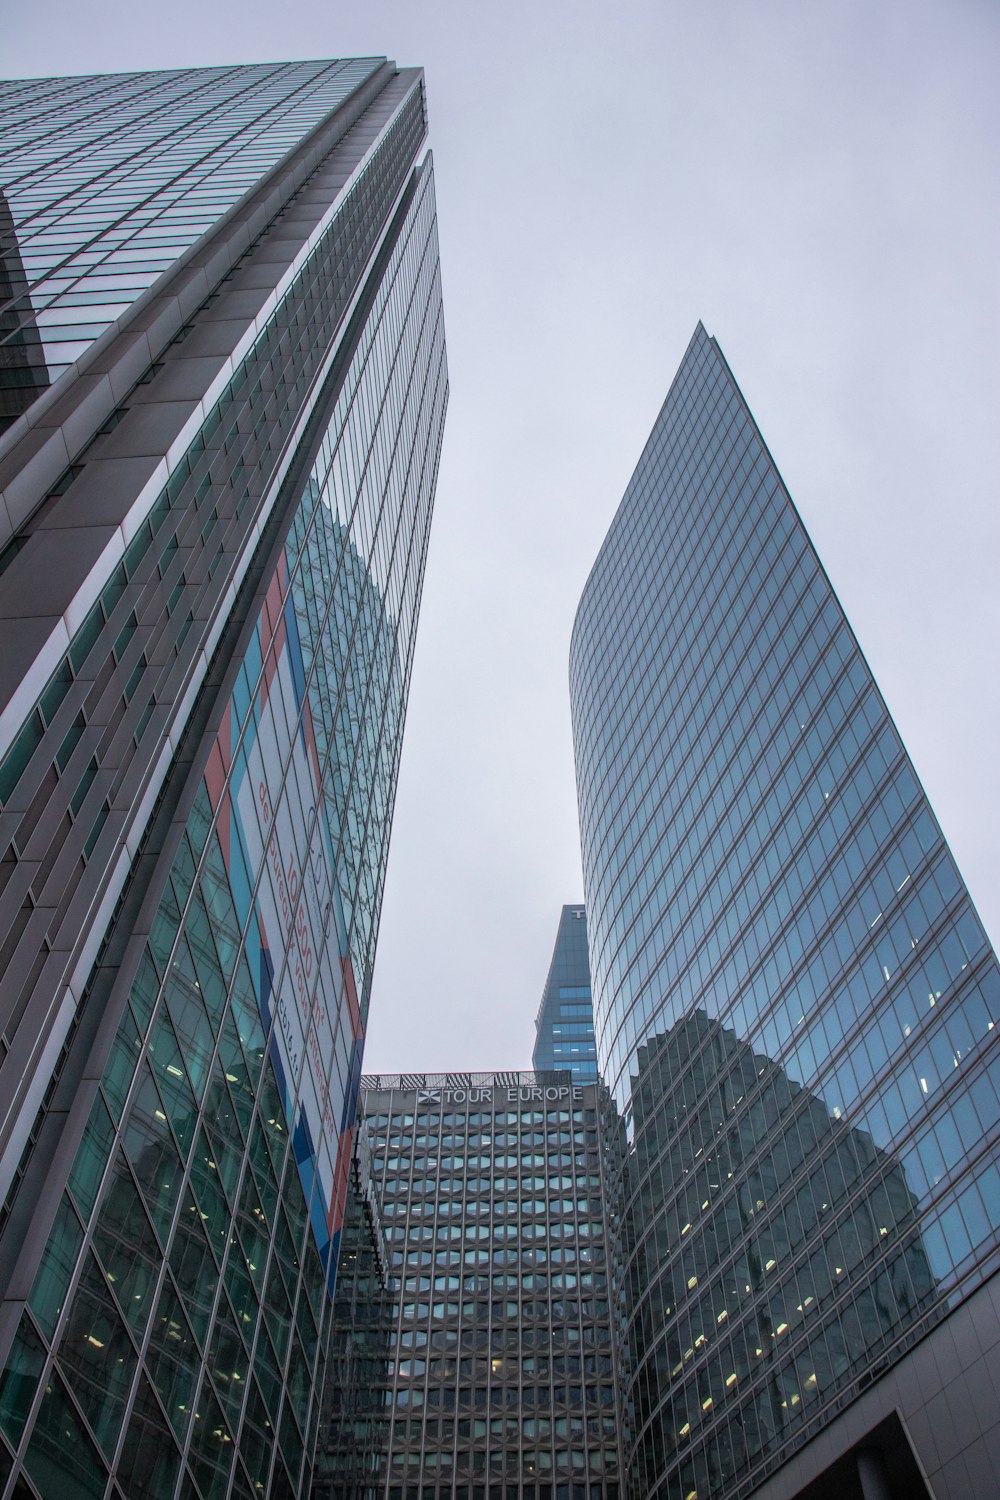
{"x":223,"y":381}
{"x":766,"y":884}
{"x":564,"y":1026}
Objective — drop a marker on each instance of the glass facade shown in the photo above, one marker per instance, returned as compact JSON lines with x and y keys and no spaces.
{"x":564,"y":1026}
{"x":170,"y":1238}
{"x":795,"y":1002}
{"x":501,"y":1384}
{"x":349,"y":1451}
{"x":108,"y":180}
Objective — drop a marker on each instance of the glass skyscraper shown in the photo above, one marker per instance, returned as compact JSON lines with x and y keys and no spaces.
{"x":224,"y":386}
{"x":564,"y":1026}
{"x":795,"y":1007}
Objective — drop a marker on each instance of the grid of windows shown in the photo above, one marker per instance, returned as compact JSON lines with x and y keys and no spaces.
{"x":501,"y":1378}
{"x":106,"y":181}
{"x":795,"y":1001}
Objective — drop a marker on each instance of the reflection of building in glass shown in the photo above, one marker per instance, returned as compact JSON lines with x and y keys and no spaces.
{"x":198,"y":750}
{"x":22,"y":364}
{"x":363,"y":697}
{"x":501,"y":1380}
{"x":564,"y":1026}
{"x":765,"y":879}
{"x":352,"y":1434}
{"x":772,"y":1252}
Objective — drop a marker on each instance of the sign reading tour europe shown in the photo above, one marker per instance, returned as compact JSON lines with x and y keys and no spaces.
{"x":523,"y":1094}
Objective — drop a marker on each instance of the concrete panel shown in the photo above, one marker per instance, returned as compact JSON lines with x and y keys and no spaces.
{"x":243,"y":302}
{"x":193,"y":286}
{"x":216,"y":338}
{"x":101,"y":495}
{"x":147,"y":429}
{"x":124,"y":360}
{"x":181,"y":379}
{"x":30,"y":471}
{"x":60,"y":558}
{"x":982,"y":1395}
{"x":88,"y":401}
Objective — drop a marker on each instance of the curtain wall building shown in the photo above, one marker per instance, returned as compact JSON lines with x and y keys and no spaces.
{"x":564,"y":1026}
{"x":223,"y":382}
{"x":500,"y":1382}
{"x":795,"y":1007}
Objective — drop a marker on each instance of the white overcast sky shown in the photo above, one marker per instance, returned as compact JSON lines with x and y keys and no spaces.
{"x":818,"y":183}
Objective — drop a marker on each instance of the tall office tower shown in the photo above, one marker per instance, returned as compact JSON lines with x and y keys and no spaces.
{"x":794,"y":1005}
{"x":564,"y":1026}
{"x":501,"y":1384}
{"x":224,"y":357}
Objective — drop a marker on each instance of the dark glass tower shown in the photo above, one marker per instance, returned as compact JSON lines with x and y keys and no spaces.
{"x":795,"y":1005}
{"x":564,"y":1026}
{"x":217,"y":507}
{"x":500,"y":1382}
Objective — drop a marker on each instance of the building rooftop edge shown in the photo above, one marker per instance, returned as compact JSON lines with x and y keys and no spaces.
{"x":372,"y":1082}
